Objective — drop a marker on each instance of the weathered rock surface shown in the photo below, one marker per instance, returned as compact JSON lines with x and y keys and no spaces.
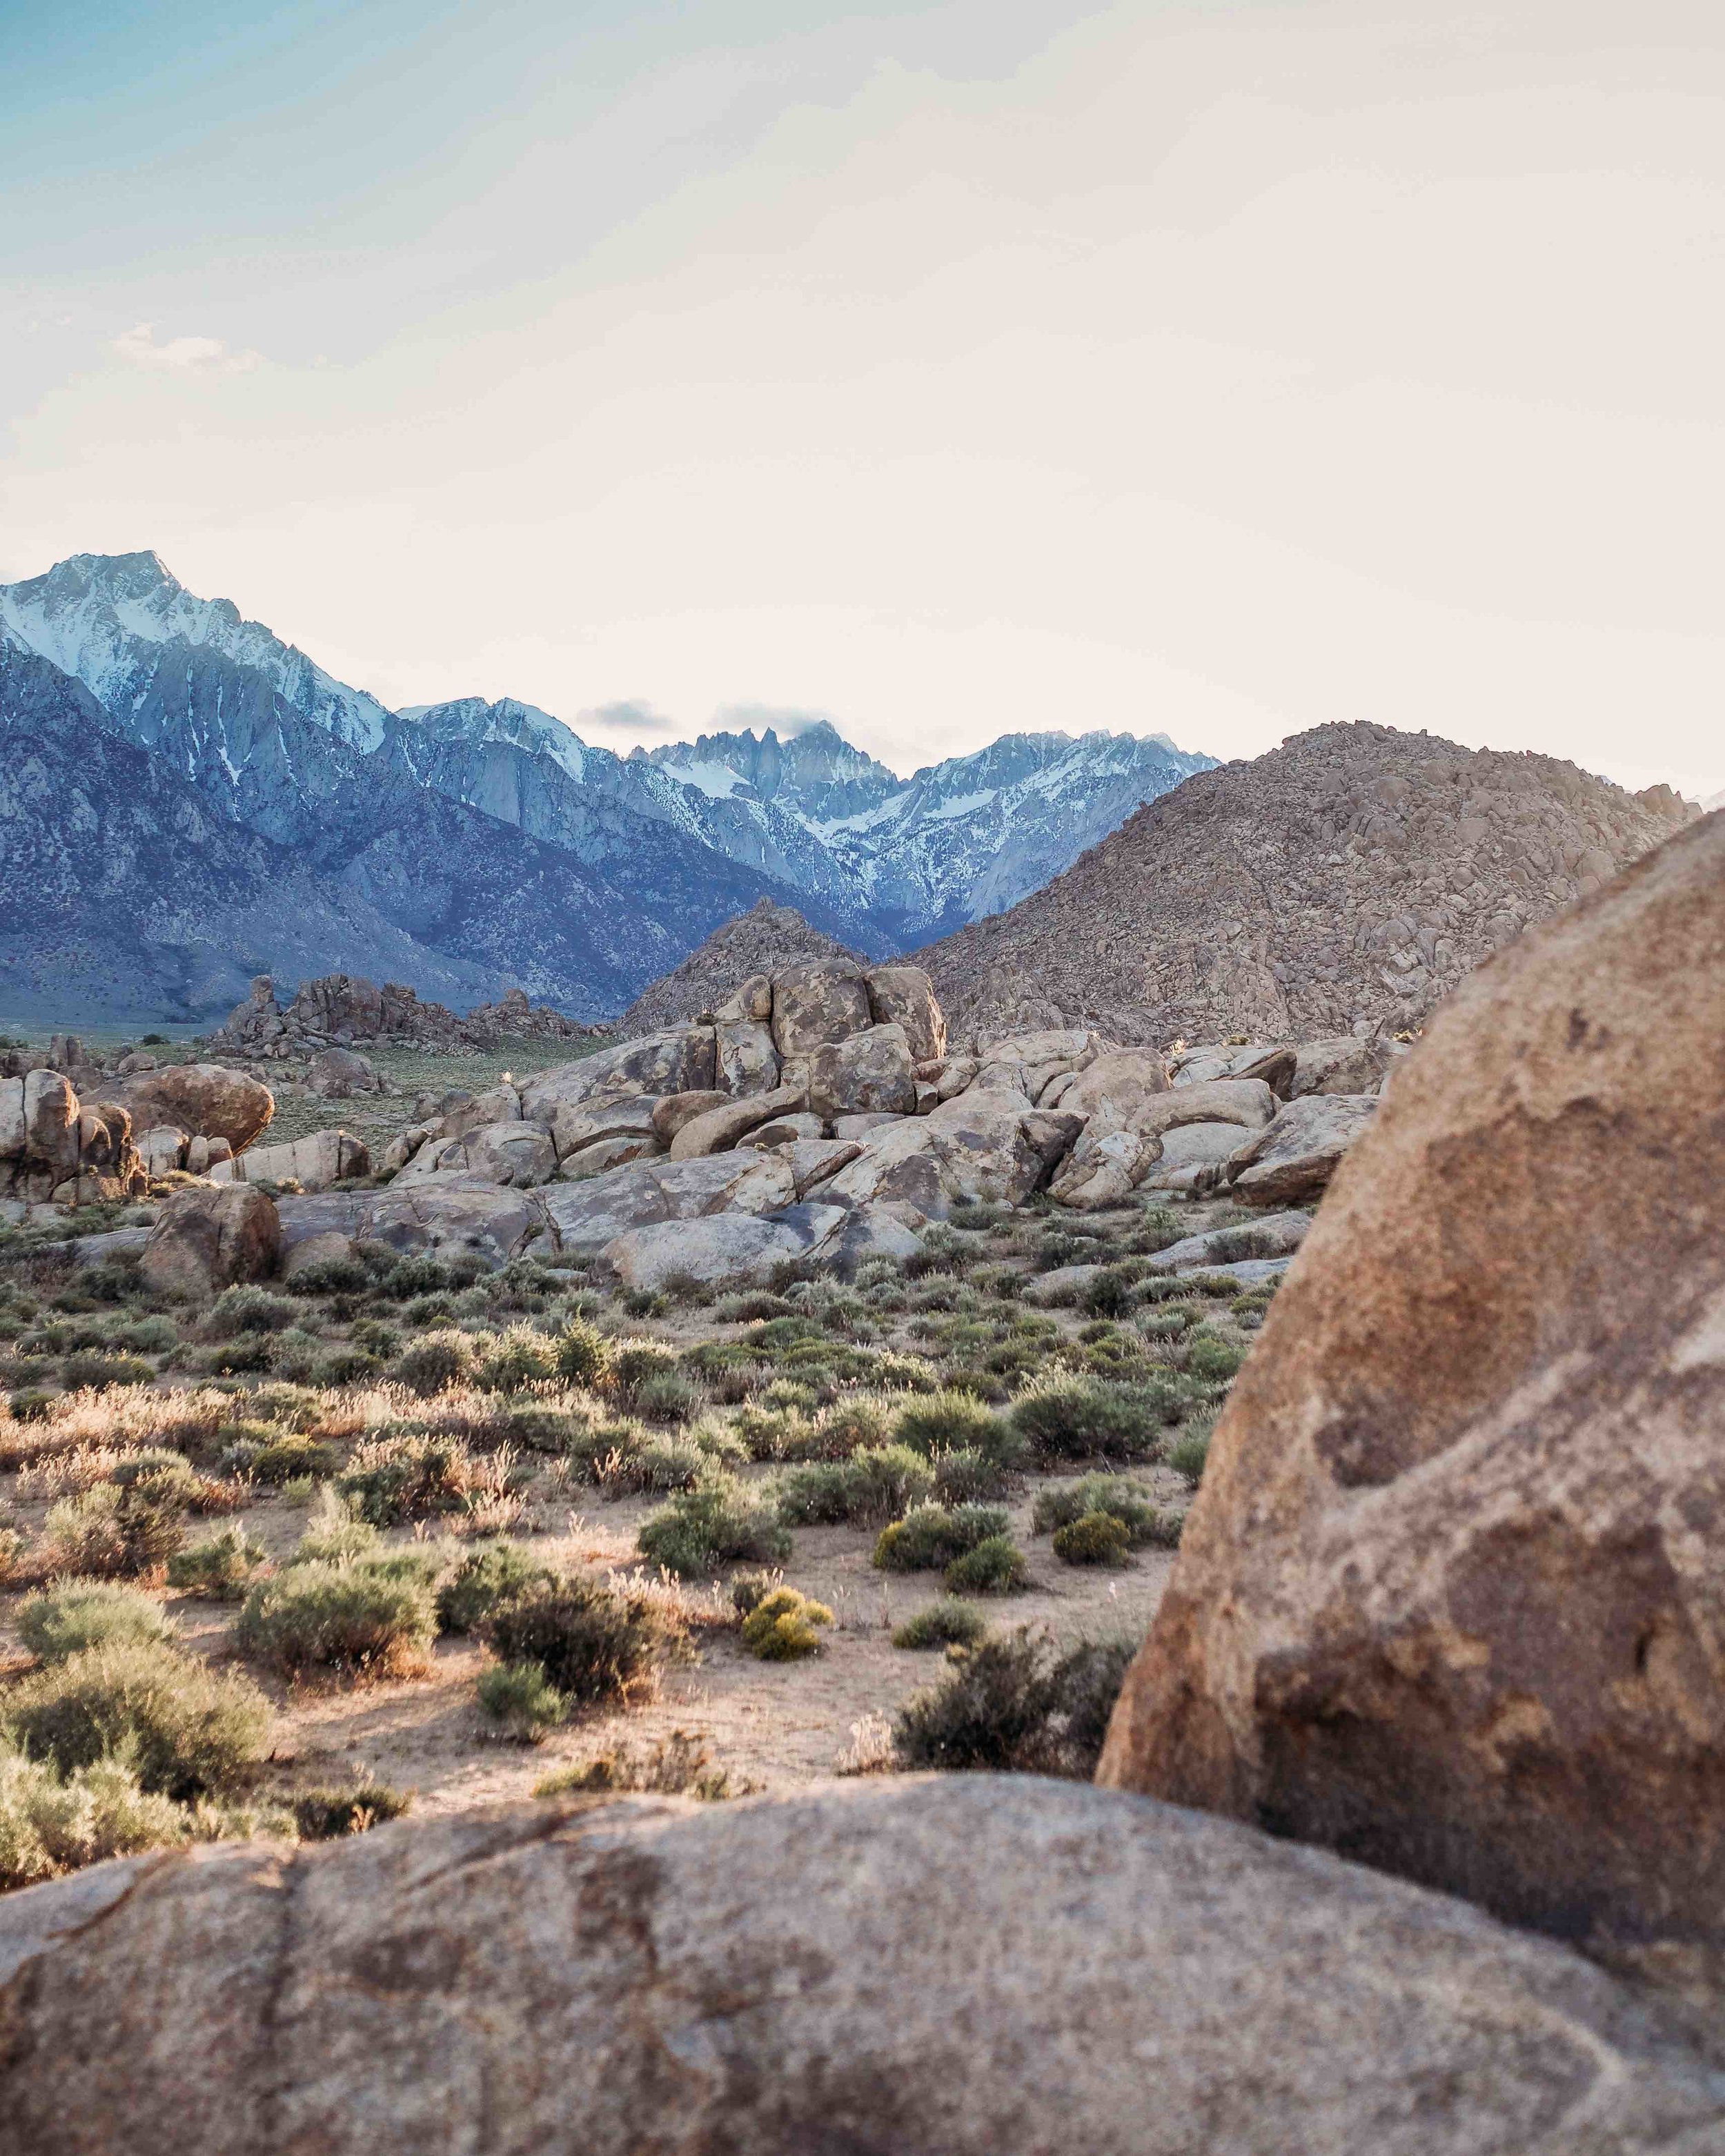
{"x":205,"y":1240}
{"x":746,"y":1059}
{"x":337,"y":1073}
{"x":825,"y":999}
{"x":1131,"y":1122}
{"x":667,"y":1116}
{"x":718,"y":1129}
{"x":205,"y":1099}
{"x":1279,"y":1235}
{"x":733,"y":1249}
{"x":785,"y":1130}
{"x":587,"y":1215}
{"x":681,"y":1061}
{"x":1291,"y":1160}
{"x":766,"y":940}
{"x":604,"y":1154}
{"x":985,"y":1145}
{"x":867,"y":1073}
{"x":903,"y":996}
{"x":493,"y":1225}
{"x":968,"y":1965}
{"x":614,"y":1115}
{"x":1451,"y":1597}
{"x":314,"y":1163}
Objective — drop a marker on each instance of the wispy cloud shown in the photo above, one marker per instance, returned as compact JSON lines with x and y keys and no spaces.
{"x":634,"y":717}
{"x":182,"y":355}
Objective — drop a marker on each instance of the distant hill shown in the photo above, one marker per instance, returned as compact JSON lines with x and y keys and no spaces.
{"x":1343,"y":882}
{"x":766,"y":936}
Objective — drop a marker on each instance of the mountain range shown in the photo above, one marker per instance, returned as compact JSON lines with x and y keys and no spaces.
{"x":239,"y":810}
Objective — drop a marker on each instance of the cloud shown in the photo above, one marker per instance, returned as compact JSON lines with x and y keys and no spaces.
{"x":632,"y":715}
{"x":182,"y":355}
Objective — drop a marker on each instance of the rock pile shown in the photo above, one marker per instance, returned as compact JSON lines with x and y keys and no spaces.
{"x":766,"y":939}
{"x":815,"y":1114}
{"x":1450,"y":1600}
{"x":1343,"y":885}
{"x":342,"y":1012}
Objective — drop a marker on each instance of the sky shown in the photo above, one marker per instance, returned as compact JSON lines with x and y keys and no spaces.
{"x":1217,"y":369}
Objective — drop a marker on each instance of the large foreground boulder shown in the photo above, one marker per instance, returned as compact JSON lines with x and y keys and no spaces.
{"x":1452,"y":1596}
{"x":205,"y":1240}
{"x":441,"y":1218}
{"x":587,"y":1215}
{"x":970,"y":1965}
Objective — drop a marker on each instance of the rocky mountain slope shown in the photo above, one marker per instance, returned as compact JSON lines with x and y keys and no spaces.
{"x":670,"y":844}
{"x":765,"y":938}
{"x":124,"y":893}
{"x":1342,"y":883}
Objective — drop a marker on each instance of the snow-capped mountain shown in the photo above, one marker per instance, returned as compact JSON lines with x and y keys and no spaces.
{"x":421,"y":811}
{"x":97,"y":616}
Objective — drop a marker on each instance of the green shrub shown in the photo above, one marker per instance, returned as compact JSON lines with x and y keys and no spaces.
{"x":282,"y":1458}
{"x":635,"y":1361}
{"x":1189,"y":1454}
{"x":583,"y":1354}
{"x":51,"y":1823}
{"x":946,"y":1623}
{"x":672,"y":1396}
{"x":248,"y":1309}
{"x":932,"y":1536}
{"x":332,"y":1535}
{"x":1076,"y":1419}
{"x":411,"y":1475}
{"x":1144,"y":1521}
{"x":1211,"y":1357}
{"x":355,"y":1617}
{"x":66,"y":1620}
{"x":749,"y":1589}
{"x":489,"y":1575}
{"x":995,"y":1565}
{"x":1093,"y":1538}
{"x":341,"y":1366}
{"x":220,"y":1568}
{"x":778,"y":1433}
{"x":1109,"y":1294}
{"x":594,"y":1644}
{"x":517,"y":1359}
{"x":554,"y":1431}
{"x":1006,"y":1705}
{"x":156,"y":1475}
{"x":966,"y":1476}
{"x":101,"y":1373}
{"x":877,"y":1483}
{"x":951,"y":1421}
{"x":186,"y":1729}
{"x":434,"y":1363}
{"x":522,"y":1699}
{"x":718,"y":1523}
{"x":327,"y":1814}
{"x":783,"y":1626}
{"x":107,"y":1533}
{"x":330,"y":1277}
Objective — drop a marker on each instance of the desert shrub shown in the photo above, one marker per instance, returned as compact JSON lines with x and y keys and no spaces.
{"x":82,"y":1614}
{"x":555,"y":1430}
{"x":486,"y":1578}
{"x":784,"y":1625}
{"x":248,"y":1309}
{"x":967,"y":1476}
{"x":280,"y":1456}
{"x":1077,"y":1419}
{"x":718,"y":1523}
{"x":1210,"y":1357}
{"x":156,"y":1475}
{"x":435,"y":1363}
{"x":876,"y":1484}
{"x":108,"y":1532}
{"x":341,"y":1366}
{"x":1189,"y":1453}
{"x":1109,"y":1294}
{"x":749,"y":1589}
{"x":1145,"y":1522}
{"x":220,"y":1568}
{"x":186,"y":1729}
{"x":672,"y":1396}
{"x":333,"y":1536}
{"x":583,"y":1354}
{"x":995,"y":1565}
{"x":953,"y":1421}
{"x":358,"y":1617}
{"x":1093,"y":1538}
{"x":636,"y":1362}
{"x":776,"y":1433}
{"x":521,"y":1700}
{"x":326,"y":1815}
{"x":102,"y":1373}
{"x":51,"y":1823}
{"x":946,"y":1623}
{"x":1168,"y":1323}
{"x":1008,"y":1705}
{"x":517,"y":1359}
{"x":595,"y":1644}
{"x":415,"y":1475}
{"x":334,"y":1276}
{"x":679,"y":1765}
{"x":933,"y":1535}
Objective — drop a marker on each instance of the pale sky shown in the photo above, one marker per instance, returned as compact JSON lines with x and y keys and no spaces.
{"x":1214,"y":369}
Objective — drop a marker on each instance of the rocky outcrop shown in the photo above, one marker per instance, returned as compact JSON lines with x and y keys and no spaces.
{"x":342,"y":1011}
{"x":1344,"y":884}
{"x":447,"y":1217}
{"x":1450,"y":1597}
{"x":1291,"y":1161}
{"x":868,"y":1073}
{"x":337,"y":1073}
{"x":207,"y":1240}
{"x":825,"y":1000}
{"x":973,"y":1964}
{"x":53,"y":1147}
{"x":976,"y":1147}
{"x":314,"y":1163}
{"x":717,"y":1130}
{"x":766,"y":940}
{"x":587,"y":1215}
{"x":205,"y":1099}
{"x":903,"y":996}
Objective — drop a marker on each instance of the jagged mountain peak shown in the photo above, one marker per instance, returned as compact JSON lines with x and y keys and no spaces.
{"x":507,"y":721}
